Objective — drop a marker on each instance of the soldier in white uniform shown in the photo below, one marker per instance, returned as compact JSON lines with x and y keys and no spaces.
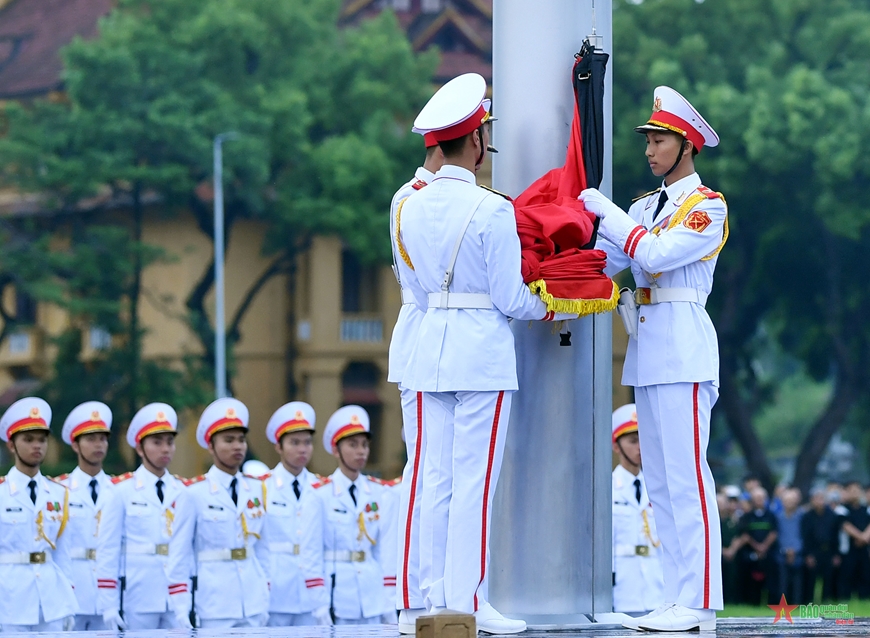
{"x":638,"y":585}
{"x":409,"y":597}
{"x":220,"y":525}
{"x":138,"y":524}
{"x":462,"y":252}
{"x":294,"y":523}
{"x":86,"y":430}
{"x":359,"y":543}
{"x":36,"y":593}
{"x":671,"y":240}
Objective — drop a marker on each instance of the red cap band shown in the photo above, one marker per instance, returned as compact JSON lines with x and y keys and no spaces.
{"x":464,"y":127}
{"x":430,"y":140}
{"x":677,"y":125}
{"x":626,"y":428}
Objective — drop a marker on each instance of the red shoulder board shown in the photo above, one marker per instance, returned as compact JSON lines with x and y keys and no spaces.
{"x":326,"y":481}
{"x":257,"y":478}
{"x":375,"y":479}
{"x":62,"y":477}
{"x":394,"y":482}
{"x":710,"y":194}
{"x":2,"y":480}
{"x":56,"y":480}
{"x":190,"y":481}
{"x":122,"y":477}
{"x":418,"y":184}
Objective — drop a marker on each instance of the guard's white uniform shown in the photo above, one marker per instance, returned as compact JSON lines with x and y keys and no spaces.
{"x":637,"y":566}
{"x":359,"y":548}
{"x":464,"y":363}
{"x":36,"y":593}
{"x":229,"y":543}
{"x":674,"y":366}
{"x":83,"y":538}
{"x":408,"y":593}
{"x":295,"y":531}
{"x":136,"y":531}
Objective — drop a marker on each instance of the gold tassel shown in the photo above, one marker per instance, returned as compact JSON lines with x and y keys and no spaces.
{"x":363,"y":531}
{"x":579,"y":307}
{"x":99,"y":517}
{"x":40,"y":530}
{"x":245,"y":531}
{"x":646,"y":530}
{"x":399,"y":244}
{"x":170,"y":518}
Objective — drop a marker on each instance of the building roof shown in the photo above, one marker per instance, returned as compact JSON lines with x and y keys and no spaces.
{"x":32,"y":32}
{"x":461,"y":29}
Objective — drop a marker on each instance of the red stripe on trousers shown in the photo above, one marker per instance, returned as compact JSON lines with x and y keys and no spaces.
{"x":406,"y":598}
{"x":492,"y":439}
{"x":703,"y":499}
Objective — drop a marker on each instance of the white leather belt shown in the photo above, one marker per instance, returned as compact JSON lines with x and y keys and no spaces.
{"x":631,"y":550}
{"x":239,"y":553}
{"x":407,"y":297}
{"x":147,"y":549}
{"x":646,"y":296}
{"x":83,"y":553}
{"x":343,"y":556}
{"x":285,"y":548}
{"x":464,"y":300}
{"x":25,"y":558}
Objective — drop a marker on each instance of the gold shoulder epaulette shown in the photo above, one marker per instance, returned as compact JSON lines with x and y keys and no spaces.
{"x":192,"y":481}
{"x":122,"y":477}
{"x":640,"y":197}
{"x":319,"y":484}
{"x":499,"y":193}
{"x":708,"y":193}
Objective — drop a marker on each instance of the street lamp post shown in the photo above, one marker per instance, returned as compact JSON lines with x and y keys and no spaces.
{"x":220,"y":337}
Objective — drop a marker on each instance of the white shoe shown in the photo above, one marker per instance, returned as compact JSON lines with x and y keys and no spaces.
{"x":634,"y":623}
{"x":679,"y":618}
{"x":490,"y":621}
{"x":408,"y":620}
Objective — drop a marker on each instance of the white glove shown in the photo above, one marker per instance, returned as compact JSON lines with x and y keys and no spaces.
{"x":113,"y":620}
{"x":69,"y":623}
{"x":321,"y":615}
{"x":595,"y":202}
{"x":182,"y":618}
{"x":181,"y":606}
{"x":390,"y":618}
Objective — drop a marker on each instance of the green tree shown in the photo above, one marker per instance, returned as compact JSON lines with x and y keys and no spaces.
{"x":779,"y":81}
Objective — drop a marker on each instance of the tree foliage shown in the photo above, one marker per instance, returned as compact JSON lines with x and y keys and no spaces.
{"x":783,"y":82}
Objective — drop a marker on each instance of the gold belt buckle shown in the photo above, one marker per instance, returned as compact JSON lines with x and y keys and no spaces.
{"x":641,"y":550}
{"x":296,"y":549}
{"x":37,"y":558}
{"x":162,"y":549}
{"x":240,"y":553}
{"x":90,"y":554}
{"x":643,"y":296}
{"x":357,"y":557}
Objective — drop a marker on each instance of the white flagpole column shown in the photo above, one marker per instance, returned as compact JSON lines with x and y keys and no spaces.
{"x":551,"y":530}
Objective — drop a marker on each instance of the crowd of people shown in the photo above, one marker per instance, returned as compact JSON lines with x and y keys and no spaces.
{"x":810,"y":550}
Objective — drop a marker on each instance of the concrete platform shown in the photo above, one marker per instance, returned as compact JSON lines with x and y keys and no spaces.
{"x":726,"y":627}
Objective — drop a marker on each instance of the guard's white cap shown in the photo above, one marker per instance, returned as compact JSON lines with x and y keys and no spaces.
{"x":624,"y":420}
{"x":90,"y":416}
{"x":223,"y":414}
{"x":29,"y":413}
{"x":456,"y":109}
{"x":296,"y":416}
{"x":672,"y":112}
{"x":345,"y":422}
{"x":255,"y":468}
{"x":153,"y":418}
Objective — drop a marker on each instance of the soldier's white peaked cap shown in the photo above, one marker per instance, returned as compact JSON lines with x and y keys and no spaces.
{"x":220,"y":415}
{"x":672,"y":112}
{"x":29,"y":413}
{"x":87,"y":417}
{"x":456,"y":109}
{"x":296,"y":416}
{"x":345,"y":422}
{"x":624,"y":420}
{"x":154,"y":418}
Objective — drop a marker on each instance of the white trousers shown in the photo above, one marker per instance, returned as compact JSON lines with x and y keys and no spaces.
{"x":464,"y":435}
{"x":277,"y":619}
{"x":259,"y":620}
{"x":674,"y":428}
{"x":89,"y":622}
{"x":42,"y":627}
{"x":150,"y":620}
{"x":408,"y":595}
{"x":374,"y":620}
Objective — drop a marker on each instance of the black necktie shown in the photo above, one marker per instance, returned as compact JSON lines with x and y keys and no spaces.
{"x":296,"y":488}
{"x":353,"y":492}
{"x":32,"y":486}
{"x":160,"y":489}
{"x":233,"y":493}
{"x":637,"y":489}
{"x":93,"y":485}
{"x":663,"y":198}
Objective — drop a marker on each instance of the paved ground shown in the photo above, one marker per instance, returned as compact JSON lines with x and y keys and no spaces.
{"x":762,"y":627}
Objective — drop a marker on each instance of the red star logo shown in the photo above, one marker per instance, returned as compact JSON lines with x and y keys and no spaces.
{"x":783,"y":609}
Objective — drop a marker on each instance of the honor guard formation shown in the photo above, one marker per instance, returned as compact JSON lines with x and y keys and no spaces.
{"x":149,"y":550}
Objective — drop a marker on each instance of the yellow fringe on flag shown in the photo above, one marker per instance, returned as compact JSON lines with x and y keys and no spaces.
{"x":579,"y":307}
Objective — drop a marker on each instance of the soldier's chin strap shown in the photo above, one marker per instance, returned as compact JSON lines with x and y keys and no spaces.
{"x":626,"y":456}
{"x":679,"y":158}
